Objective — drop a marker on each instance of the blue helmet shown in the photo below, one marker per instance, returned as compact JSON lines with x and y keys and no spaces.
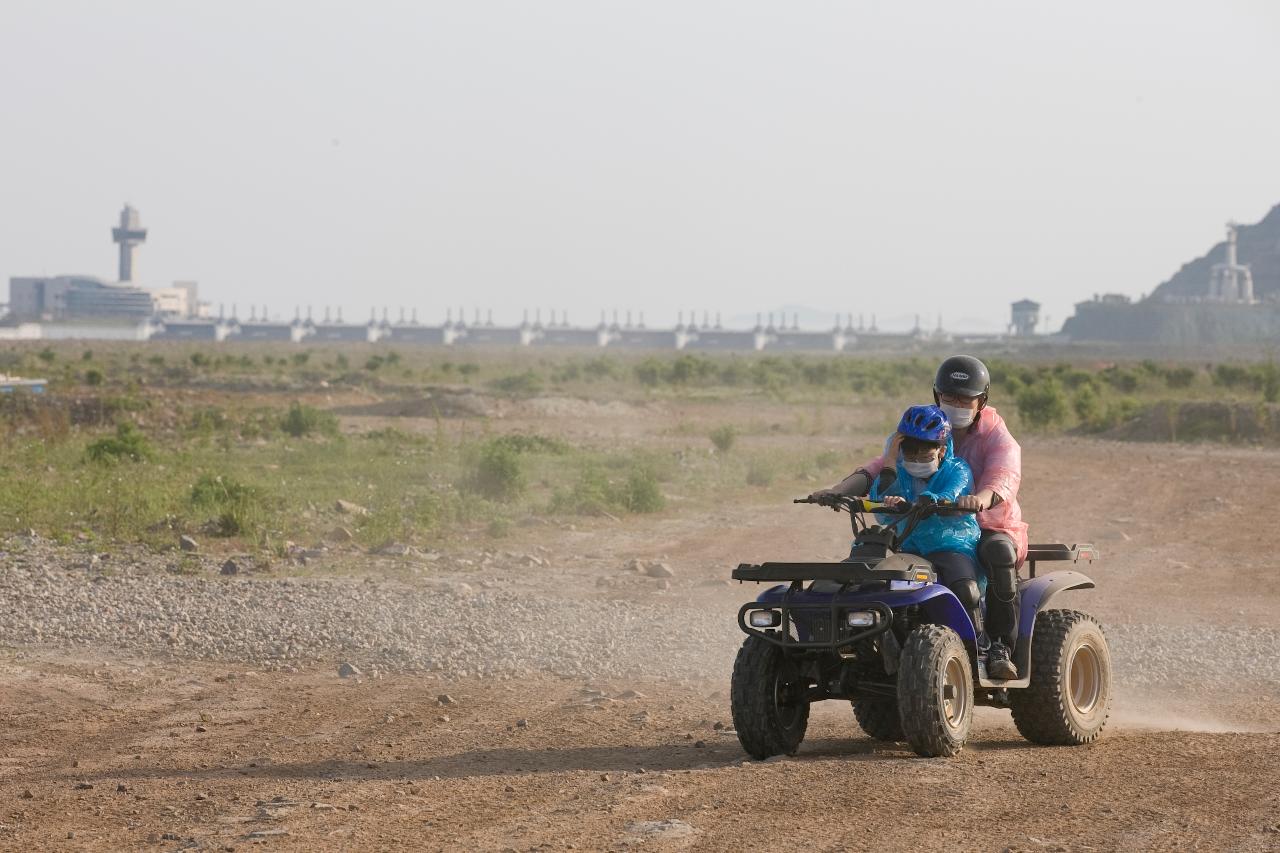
{"x":927,"y":423}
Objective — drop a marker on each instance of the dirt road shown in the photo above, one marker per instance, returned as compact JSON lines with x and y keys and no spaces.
{"x":178,"y":757}
{"x":138,"y":749}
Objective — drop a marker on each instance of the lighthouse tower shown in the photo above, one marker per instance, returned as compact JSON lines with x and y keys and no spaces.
{"x":129,"y":234}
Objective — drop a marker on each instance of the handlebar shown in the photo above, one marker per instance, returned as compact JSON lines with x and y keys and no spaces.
{"x":909,"y":516}
{"x":855,"y":505}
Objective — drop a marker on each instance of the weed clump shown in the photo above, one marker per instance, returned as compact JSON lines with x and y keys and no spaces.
{"x":640,"y":492}
{"x":127,"y":444}
{"x":237,"y":508}
{"x":302,"y":421}
{"x":497,"y":472}
{"x":596,"y":494}
{"x":724,"y":437}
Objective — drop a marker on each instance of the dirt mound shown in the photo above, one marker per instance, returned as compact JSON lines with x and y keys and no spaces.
{"x":436,"y":403}
{"x":1244,"y":423}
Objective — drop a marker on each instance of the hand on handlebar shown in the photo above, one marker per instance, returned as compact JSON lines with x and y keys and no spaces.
{"x":894,"y":501}
{"x":971,"y":502}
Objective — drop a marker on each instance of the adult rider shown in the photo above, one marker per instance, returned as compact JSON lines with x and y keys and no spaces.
{"x":981,"y":438}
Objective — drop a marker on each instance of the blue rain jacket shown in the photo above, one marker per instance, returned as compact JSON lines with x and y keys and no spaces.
{"x":953,"y":478}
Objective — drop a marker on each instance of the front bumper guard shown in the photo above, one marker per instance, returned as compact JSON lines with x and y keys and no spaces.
{"x":834,"y":612}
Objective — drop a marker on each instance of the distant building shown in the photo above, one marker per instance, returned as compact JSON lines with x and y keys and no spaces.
{"x":76,"y":297}
{"x":1025,"y":318}
{"x":179,"y":302}
{"x":129,"y":234}
{"x":1231,"y":281}
{"x":89,"y":299}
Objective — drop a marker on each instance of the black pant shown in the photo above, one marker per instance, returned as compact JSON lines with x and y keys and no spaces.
{"x":999,"y":555}
{"x":953,"y":569}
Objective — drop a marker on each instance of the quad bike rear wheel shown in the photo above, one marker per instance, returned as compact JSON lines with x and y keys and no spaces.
{"x":770,"y":700}
{"x":1069,"y":698}
{"x":879,"y":718}
{"x":935,"y":691}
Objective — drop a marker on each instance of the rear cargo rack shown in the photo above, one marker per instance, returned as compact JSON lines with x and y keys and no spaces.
{"x":1074,"y":553}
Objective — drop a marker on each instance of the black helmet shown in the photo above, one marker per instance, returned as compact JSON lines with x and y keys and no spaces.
{"x":963,"y":375}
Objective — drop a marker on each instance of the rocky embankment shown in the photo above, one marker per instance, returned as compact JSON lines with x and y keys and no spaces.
{"x":50,"y":598}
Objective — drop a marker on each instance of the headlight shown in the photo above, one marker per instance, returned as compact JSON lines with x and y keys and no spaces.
{"x":765,"y":619}
{"x":861,"y":618}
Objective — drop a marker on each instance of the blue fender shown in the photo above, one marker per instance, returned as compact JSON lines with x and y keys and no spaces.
{"x":1036,"y":594}
{"x":945,"y":609}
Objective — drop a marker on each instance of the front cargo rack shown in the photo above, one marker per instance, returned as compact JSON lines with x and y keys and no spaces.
{"x":839,"y":572}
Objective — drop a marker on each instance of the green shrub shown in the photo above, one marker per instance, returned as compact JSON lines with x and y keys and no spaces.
{"x":1121,"y":379}
{"x":1118,"y":411}
{"x":1179,"y":377}
{"x":93,"y":377}
{"x":208,"y":419}
{"x":237,"y":508}
{"x":304,"y":420}
{"x":1088,"y":406}
{"x":1270,"y":382}
{"x":596,"y":494}
{"x":1042,"y":405}
{"x":128,"y":443}
{"x":590,"y":495}
{"x":1231,"y":375}
{"x":640,"y":493}
{"x":724,"y":437}
{"x":497,"y":472}
{"x":601,"y":367}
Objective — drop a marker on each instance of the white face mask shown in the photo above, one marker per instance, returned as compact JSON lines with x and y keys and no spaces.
{"x":921,"y":470}
{"x":960,"y":418}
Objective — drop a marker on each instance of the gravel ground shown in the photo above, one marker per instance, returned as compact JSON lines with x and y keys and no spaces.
{"x":460,"y":631}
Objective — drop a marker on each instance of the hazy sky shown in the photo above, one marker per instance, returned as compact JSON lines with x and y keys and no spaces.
{"x":881,"y":158}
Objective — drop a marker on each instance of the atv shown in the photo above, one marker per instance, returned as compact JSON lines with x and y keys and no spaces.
{"x":879,"y":631}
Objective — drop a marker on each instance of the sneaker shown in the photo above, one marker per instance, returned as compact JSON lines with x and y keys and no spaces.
{"x":999,"y":667}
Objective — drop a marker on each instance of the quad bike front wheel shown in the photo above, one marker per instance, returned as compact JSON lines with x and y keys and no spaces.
{"x":770,"y":700}
{"x":935,"y":691}
{"x":1069,"y":698}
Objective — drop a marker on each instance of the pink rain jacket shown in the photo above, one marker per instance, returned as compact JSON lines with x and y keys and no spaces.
{"x":996,"y":461}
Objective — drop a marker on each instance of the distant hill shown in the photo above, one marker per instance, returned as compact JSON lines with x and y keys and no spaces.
{"x":1259,"y":247}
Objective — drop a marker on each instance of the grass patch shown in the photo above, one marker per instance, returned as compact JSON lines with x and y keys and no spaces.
{"x":302,"y":421}
{"x":128,"y":444}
